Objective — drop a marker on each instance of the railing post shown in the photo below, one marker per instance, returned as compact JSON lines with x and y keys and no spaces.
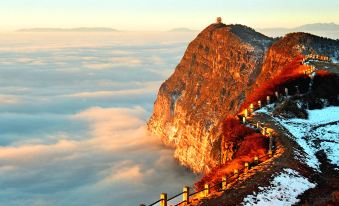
{"x":251,"y":108}
{"x":236,"y":173}
{"x":264,"y":131}
{"x":246,"y":113}
{"x":224,"y":183}
{"x":297,"y":90}
{"x":270,"y":153}
{"x":286,"y":91}
{"x":276,"y":95}
{"x":258,"y":124}
{"x":207,"y":190}
{"x":268,"y":99}
{"x":259,"y":104}
{"x":270,"y":147}
{"x":247,"y":167}
{"x":186,"y":194}
{"x":256,"y":160}
{"x":163,"y":199}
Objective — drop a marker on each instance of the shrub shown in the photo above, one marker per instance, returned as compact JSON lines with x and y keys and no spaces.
{"x":234,"y":131}
{"x":249,"y":144}
{"x":290,"y":109}
{"x":291,"y":75}
{"x":325,"y":85}
{"x":252,"y":145}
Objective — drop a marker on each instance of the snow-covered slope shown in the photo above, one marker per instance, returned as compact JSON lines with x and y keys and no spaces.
{"x":284,"y":190}
{"x":319,"y":132}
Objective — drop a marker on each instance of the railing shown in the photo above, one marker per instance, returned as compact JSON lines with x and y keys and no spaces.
{"x":223,"y":184}
{"x":308,"y":57}
{"x":315,"y":57}
{"x":186,"y":196}
{"x":219,"y":186}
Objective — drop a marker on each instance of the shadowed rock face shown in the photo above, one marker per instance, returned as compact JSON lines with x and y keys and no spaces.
{"x":210,"y":83}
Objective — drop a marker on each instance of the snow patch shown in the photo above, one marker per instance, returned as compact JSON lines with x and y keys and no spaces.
{"x":284,"y":190}
{"x":174,"y":98}
{"x":319,"y":132}
{"x":299,"y":130}
{"x":265,"y":110}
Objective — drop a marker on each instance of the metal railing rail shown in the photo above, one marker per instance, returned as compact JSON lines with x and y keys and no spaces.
{"x":153,"y":203}
{"x":175,"y":196}
{"x":239,"y":171}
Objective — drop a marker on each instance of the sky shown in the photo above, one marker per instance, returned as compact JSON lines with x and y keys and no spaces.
{"x":164,"y":14}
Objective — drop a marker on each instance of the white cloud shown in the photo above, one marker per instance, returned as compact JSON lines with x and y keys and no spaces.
{"x":146,"y":89}
{"x":118,"y":155}
{"x":8,"y":100}
{"x":76,"y":135}
{"x":156,"y":60}
{"x":120,"y":173}
{"x":99,"y":66}
{"x":113,"y":63}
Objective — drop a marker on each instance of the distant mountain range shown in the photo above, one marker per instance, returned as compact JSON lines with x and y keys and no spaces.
{"x":91,"y":29}
{"x":80,"y":29}
{"x":182,"y":29}
{"x":319,"y":27}
{"x":330,"y":30}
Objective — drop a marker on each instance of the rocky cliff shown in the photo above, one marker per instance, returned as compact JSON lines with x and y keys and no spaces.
{"x":219,"y":68}
{"x":286,"y":49}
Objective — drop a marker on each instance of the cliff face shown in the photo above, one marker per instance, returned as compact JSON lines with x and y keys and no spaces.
{"x":218,"y":69}
{"x":208,"y":84}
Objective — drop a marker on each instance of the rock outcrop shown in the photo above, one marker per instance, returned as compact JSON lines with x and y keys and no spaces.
{"x":286,"y":49}
{"x":219,"y":68}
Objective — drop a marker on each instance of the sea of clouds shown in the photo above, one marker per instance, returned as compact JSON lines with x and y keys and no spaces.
{"x":73,"y":109}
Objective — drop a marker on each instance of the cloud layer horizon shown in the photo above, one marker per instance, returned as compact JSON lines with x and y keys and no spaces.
{"x":72,"y":125}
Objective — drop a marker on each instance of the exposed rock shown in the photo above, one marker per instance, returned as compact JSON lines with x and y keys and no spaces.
{"x":208,"y":84}
{"x":219,"y":68}
{"x":286,"y":49}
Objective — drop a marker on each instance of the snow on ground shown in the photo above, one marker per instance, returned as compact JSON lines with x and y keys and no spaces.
{"x":319,"y":132}
{"x":284,"y":190}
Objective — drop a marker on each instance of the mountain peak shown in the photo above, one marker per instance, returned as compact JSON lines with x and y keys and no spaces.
{"x":318,"y":27}
{"x":249,"y":35}
{"x":244,"y":33}
{"x":218,"y":71}
{"x":220,"y":59}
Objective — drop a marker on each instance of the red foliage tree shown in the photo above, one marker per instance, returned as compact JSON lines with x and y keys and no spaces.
{"x":250,"y":144}
{"x":292,"y":74}
{"x":234,"y":131}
